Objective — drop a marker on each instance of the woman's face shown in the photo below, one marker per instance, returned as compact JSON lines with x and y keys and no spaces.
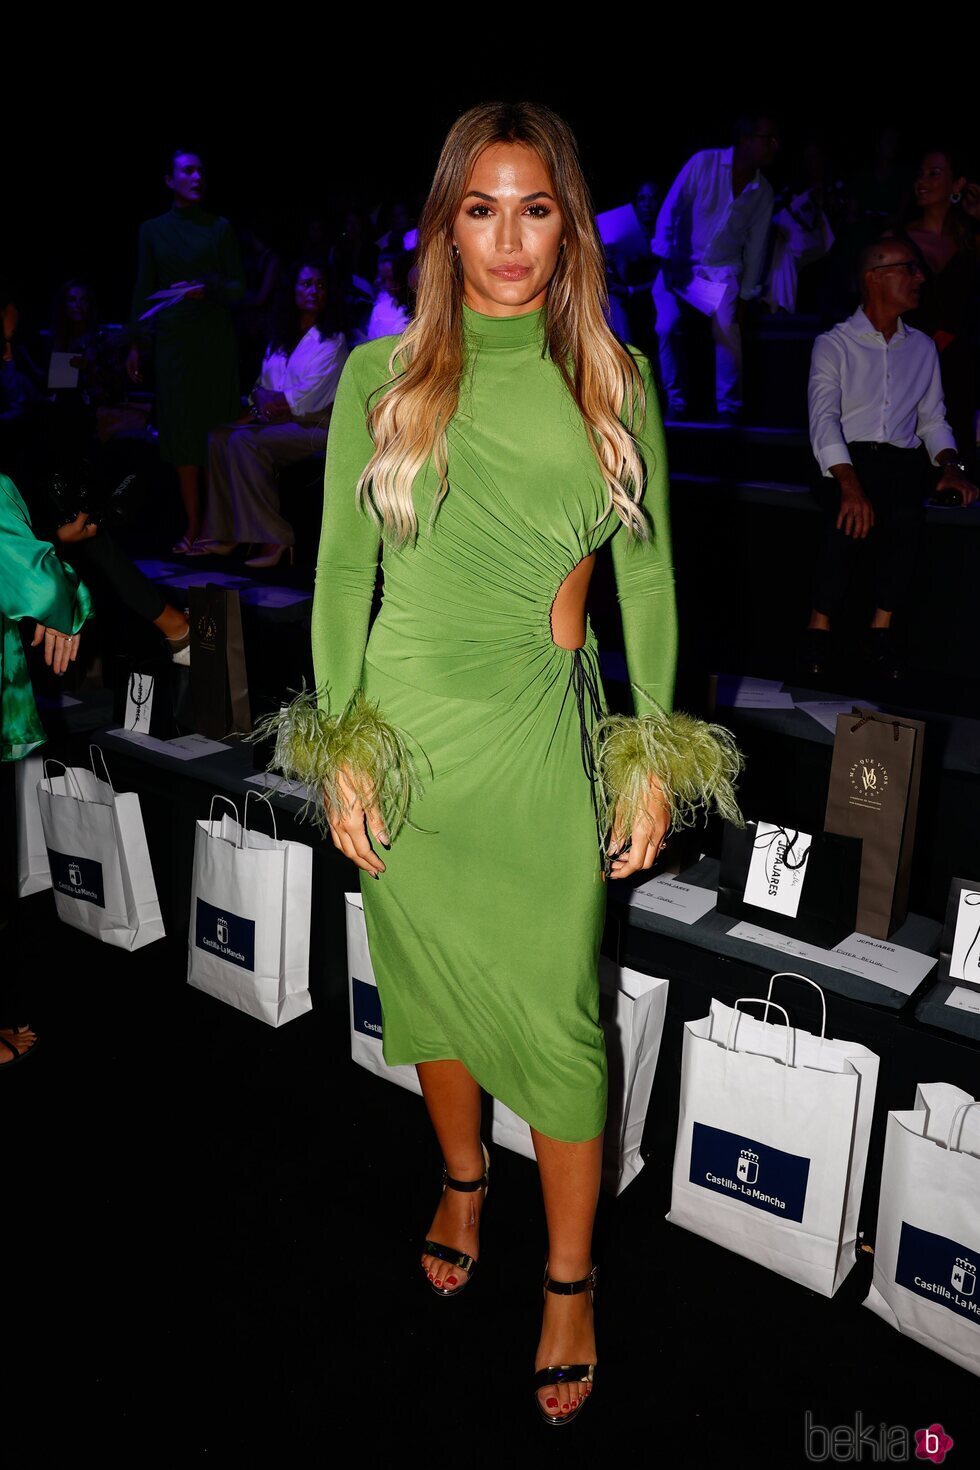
{"x":186,"y":179}
{"x":508,"y":229}
{"x":78,"y":305}
{"x":311,"y":290}
{"x":935,"y":182}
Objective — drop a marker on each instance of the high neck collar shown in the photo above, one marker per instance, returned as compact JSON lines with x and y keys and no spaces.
{"x":524,"y":330}
{"x":192,"y":211}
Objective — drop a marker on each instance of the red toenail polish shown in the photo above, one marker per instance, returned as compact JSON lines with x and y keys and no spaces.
{"x":552,"y":1403}
{"x":451,"y":1281}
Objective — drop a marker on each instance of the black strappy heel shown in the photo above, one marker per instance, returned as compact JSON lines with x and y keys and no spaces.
{"x":567,"y":1372}
{"x":446,"y":1252}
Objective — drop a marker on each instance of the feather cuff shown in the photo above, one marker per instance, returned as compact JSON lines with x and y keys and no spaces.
{"x":313,"y":747}
{"x":695,"y":762}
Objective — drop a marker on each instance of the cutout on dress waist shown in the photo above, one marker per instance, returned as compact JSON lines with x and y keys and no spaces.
{"x":567,"y":615}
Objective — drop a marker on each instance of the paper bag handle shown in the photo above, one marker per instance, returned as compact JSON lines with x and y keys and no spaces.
{"x":258,"y":796}
{"x":69,"y":776}
{"x":91,"y":755}
{"x":792,"y":975}
{"x":218,"y":797}
{"x":963,"y":1108}
{"x":757,"y":1000}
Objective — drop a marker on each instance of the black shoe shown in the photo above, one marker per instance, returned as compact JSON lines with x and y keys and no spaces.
{"x":449,"y":1253}
{"x":567,"y":1372}
{"x":882,"y":654}
{"x":815,"y":652}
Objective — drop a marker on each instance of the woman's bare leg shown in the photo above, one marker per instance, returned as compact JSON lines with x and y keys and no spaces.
{"x":570,"y":1178}
{"x":452,"y":1097}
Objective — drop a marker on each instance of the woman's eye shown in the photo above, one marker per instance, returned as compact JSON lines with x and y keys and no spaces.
{"x":474,"y":210}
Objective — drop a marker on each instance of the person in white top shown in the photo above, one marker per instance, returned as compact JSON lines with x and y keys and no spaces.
{"x":875,"y":399}
{"x":711,"y":238}
{"x":391,"y":313}
{"x":289,"y":414}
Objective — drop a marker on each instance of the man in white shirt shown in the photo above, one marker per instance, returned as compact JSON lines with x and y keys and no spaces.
{"x":711,"y":238}
{"x":875,"y":399}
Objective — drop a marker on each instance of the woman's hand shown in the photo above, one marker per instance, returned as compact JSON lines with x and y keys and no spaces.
{"x":648,"y":836}
{"x":348,"y":831}
{"x":133,"y":370}
{"x":80,"y":529}
{"x":60,"y":649}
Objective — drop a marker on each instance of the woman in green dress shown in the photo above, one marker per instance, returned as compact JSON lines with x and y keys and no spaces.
{"x":195,"y":358}
{"x":491,"y":449}
{"x":34,"y":584}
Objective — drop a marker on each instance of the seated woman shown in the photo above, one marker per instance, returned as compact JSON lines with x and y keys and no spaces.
{"x":392,"y":310}
{"x":290,"y":411}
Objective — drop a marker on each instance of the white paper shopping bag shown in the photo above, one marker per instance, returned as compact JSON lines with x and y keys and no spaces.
{"x":33,"y":872}
{"x":772,"y":1141}
{"x":632,"y":1007}
{"x":98,"y":856}
{"x":249,"y":937}
{"x":927,"y":1245}
{"x":366,"y":1033}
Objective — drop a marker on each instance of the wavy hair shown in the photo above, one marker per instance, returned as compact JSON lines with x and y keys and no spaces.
{"x":409,"y":423}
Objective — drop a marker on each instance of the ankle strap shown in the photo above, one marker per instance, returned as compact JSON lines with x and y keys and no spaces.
{"x":465,"y":1184}
{"x":571,"y":1288}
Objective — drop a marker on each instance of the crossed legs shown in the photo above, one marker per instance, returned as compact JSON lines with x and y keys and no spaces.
{"x":570,"y":1177}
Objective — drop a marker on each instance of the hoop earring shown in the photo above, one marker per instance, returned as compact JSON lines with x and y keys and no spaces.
{"x":955,"y":197}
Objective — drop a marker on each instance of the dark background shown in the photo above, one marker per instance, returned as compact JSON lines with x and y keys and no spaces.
{"x":286,"y":134}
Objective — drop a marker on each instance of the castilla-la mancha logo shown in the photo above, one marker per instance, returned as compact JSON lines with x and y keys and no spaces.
{"x":869,"y":780}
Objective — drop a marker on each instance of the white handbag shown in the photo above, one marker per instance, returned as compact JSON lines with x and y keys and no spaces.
{"x":98,"y":856}
{"x":365,"y":1003}
{"x":249,"y":938}
{"x":772,"y":1141}
{"x":33,"y":872}
{"x":632,"y":1007}
{"x":927,"y":1245}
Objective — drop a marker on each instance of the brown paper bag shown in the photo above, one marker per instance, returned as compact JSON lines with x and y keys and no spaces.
{"x":874,"y":795}
{"x":219,"y":683}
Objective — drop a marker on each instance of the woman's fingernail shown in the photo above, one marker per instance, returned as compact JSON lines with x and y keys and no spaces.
{"x":375,"y":875}
{"x":385,"y":840}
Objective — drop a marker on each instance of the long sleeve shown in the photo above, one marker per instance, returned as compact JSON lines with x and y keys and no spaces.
{"x":146,"y":280}
{"x":676,"y":203}
{"x":228,"y":286}
{"x":34,"y":583}
{"x":930,"y":416}
{"x":645,"y":574}
{"x":824,"y":401}
{"x":754,"y":257}
{"x":350,"y":541}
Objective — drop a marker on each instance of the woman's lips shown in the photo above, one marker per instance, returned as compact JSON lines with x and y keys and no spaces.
{"x":510,"y":272}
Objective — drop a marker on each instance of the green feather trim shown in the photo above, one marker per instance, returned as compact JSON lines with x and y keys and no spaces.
{"x":313,"y":747}
{"x":695,"y":762}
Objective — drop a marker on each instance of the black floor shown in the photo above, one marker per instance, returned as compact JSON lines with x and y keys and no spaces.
{"x":212,"y":1248}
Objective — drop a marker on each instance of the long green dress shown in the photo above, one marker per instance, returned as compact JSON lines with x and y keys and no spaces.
{"x":195,"y":355}
{"x":485,"y":929}
{"x":34,"y":583}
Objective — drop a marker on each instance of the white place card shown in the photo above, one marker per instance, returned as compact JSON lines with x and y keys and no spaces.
{"x":825,"y":711}
{"x":964,"y":962}
{"x":184,"y":748}
{"x":963,"y":999}
{"x":675,"y":900}
{"x":139,"y":703}
{"x":886,"y":964}
{"x":777,"y":869}
{"x":279,"y":785}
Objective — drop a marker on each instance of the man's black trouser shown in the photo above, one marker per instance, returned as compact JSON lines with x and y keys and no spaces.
{"x":896,"y":481}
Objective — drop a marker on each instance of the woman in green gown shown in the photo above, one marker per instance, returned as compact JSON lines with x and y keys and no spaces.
{"x":492,"y":449}
{"x":36,"y":585}
{"x":195,"y":358}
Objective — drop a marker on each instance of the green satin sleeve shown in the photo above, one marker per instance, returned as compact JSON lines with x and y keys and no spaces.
{"x":34,"y":582}
{"x":644,"y":570}
{"x":350,"y":541}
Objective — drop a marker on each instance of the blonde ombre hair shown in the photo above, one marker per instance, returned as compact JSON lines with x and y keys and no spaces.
{"x":409,"y":423}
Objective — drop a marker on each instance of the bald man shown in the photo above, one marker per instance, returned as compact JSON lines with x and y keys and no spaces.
{"x":877,"y":421}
